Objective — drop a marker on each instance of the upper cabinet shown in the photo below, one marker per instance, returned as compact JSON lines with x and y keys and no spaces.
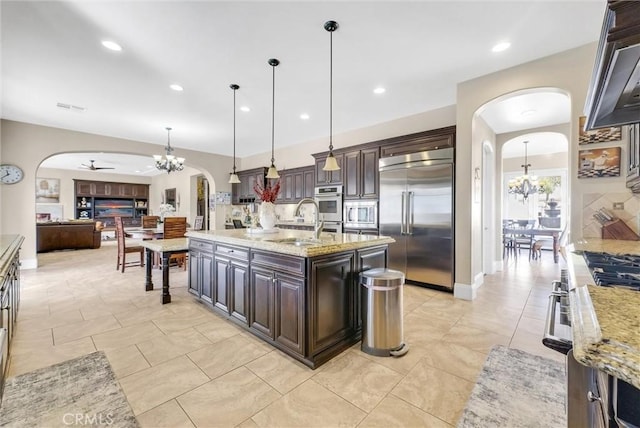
{"x":328,"y":177}
{"x":243,"y":192}
{"x":614,"y":92}
{"x":441,"y":138}
{"x":361,"y":174}
{"x":296,"y":184}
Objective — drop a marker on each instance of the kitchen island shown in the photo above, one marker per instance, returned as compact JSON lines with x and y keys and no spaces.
{"x":605,"y":321}
{"x":298,"y":293}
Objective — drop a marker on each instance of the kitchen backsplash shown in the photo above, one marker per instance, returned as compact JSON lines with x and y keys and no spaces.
{"x":592,"y":202}
{"x":283,"y":211}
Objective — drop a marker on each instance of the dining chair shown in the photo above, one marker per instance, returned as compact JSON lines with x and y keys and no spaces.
{"x":176,"y":227}
{"x":198,"y":222}
{"x":526,"y":240}
{"x":150,"y":221}
{"x":125,"y":248}
{"x":508,"y":240}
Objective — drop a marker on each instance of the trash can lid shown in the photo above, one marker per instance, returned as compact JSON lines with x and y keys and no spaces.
{"x":382,"y":277}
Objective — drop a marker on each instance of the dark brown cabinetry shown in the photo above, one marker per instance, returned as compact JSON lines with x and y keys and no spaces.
{"x":441,"y":138}
{"x":104,"y":200}
{"x":360,"y":176}
{"x":328,"y":177}
{"x":201,"y":270}
{"x":243,"y":192}
{"x":231,"y":285}
{"x":296,"y":184}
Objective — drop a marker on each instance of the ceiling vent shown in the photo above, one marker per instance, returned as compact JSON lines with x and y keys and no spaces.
{"x":71,"y":107}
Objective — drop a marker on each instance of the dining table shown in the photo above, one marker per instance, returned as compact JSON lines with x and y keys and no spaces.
{"x":165,"y":247}
{"x":145,"y":233}
{"x":543,"y":231}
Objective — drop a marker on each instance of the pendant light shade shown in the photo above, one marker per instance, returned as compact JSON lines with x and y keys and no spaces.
{"x":233,"y":178}
{"x":331,"y":164}
{"x":273,"y":171}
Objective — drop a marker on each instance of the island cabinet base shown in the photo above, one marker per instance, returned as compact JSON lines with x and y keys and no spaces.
{"x":308,"y":307}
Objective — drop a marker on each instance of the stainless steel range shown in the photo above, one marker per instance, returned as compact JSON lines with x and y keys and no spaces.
{"x":594,"y":399}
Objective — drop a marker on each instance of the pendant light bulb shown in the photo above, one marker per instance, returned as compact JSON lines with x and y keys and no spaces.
{"x":273,"y":171}
{"x":233,"y":177}
{"x":331,"y":164}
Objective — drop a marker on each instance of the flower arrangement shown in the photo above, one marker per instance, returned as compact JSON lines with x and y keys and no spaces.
{"x":267,"y":193}
{"x":165,"y":209}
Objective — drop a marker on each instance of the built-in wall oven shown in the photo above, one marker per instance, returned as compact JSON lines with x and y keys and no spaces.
{"x":361,"y":214}
{"x":329,"y":199}
{"x":332,"y":226}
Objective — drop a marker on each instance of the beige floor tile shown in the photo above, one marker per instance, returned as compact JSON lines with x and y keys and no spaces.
{"x":280,"y":371}
{"x":309,"y":405}
{"x":455,"y":359}
{"x":48,"y":321}
{"x":181,"y":320}
{"x":421,"y":329}
{"x":163,"y":348}
{"x":393,"y":412}
{"x":126,"y":336}
{"x":225,"y":356}
{"x":475,"y":339}
{"x":141,"y":315}
{"x":358,"y":380}
{"x":31,"y":341}
{"x":149,"y":388}
{"x":228,"y":400}
{"x":126,"y":361}
{"x":436,"y":392}
{"x":46,"y":356}
{"x":70,"y":332}
{"x":491,"y":323}
{"x":532,"y":343}
{"x":402,"y":364}
{"x":217,"y":329}
{"x":167,"y":415}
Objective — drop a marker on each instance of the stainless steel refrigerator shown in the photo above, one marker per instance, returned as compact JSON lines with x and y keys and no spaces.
{"x":416,"y":209}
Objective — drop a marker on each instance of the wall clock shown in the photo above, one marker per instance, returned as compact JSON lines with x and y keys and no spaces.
{"x":10,"y":174}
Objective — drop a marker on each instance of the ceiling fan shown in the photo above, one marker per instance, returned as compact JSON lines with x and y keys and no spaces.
{"x":92,"y":167}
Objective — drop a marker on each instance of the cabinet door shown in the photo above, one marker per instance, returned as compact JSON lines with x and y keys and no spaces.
{"x":298,"y":187}
{"x":309,"y":178}
{"x":220,"y":296}
{"x":351,"y":175}
{"x":141,"y":191}
{"x":100,"y":188}
{"x":194,"y":276}
{"x":206,"y":277}
{"x":369,"y":173}
{"x":329,"y":177}
{"x":288,"y":185}
{"x":261,"y":298}
{"x":236,"y":190}
{"x":239,"y":290}
{"x":126,"y":190}
{"x":83,"y":188}
{"x":289,"y":328}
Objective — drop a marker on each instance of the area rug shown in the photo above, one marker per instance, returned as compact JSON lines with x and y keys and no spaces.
{"x":79,"y":392}
{"x":517,"y":389}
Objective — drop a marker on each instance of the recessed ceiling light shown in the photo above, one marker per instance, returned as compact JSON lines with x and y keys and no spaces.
{"x":379,"y":90}
{"x":176,"y":87}
{"x":304,"y":116}
{"x":245,"y":109}
{"x":528,"y":113}
{"x":111,"y":45}
{"x":501,"y":47}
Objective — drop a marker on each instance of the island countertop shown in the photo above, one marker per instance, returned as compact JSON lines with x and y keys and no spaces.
{"x":328,"y":243}
{"x":605,"y":320}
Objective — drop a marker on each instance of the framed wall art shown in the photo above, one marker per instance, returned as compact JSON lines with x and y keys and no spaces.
{"x":47,"y":190}
{"x":603,"y":135}
{"x":595,"y":163}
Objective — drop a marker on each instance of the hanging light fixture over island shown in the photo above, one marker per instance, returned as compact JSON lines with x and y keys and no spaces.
{"x":233,"y":178}
{"x":331,"y":164}
{"x":273,"y":171}
{"x":170,"y":163}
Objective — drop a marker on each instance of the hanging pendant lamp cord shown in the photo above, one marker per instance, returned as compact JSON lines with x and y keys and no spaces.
{"x":330,"y":91}
{"x":234,"y":131}
{"x":273,"y":110}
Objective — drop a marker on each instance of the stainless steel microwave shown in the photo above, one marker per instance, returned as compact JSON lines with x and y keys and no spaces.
{"x":361,"y":214}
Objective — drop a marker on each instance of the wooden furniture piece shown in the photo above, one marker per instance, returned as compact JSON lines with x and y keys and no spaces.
{"x":554,"y":233}
{"x":150,"y":221}
{"x":103,"y":200}
{"x":9,"y":297}
{"x":166,"y":248}
{"x":176,"y":227}
{"x":67,"y":235}
{"x":123,"y":249}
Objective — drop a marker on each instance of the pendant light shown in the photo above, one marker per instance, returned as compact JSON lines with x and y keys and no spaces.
{"x":233,"y":178}
{"x":331,"y":164}
{"x":273,"y":171}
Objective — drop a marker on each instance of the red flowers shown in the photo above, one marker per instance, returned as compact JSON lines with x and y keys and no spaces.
{"x":268,"y":193}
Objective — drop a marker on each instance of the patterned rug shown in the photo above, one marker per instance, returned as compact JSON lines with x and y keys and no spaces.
{"x":517,"y":389}
{"x":79,"y":392}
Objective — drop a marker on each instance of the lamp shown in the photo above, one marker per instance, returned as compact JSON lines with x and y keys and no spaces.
{"x":331,"y":164}
{"x":525,"y":184}
{"x":169,"y":163}
{"x":273,"y":171}
{"x":233,"y":178}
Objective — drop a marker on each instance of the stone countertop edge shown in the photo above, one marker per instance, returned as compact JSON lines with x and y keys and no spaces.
{"x":9,"y":244}
{"x":605,"y":321}
{"x":331,"y":242}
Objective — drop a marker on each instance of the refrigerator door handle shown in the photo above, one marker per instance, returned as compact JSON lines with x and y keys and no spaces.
{"x":403,"y":205}
{"x":410,"y":214}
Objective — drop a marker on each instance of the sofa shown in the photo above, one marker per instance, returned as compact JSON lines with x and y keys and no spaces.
{"x":67,"y":235}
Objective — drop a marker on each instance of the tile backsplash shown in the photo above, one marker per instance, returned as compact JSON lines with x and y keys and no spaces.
{"x":283,"y":211}
{"x":592,"y":202}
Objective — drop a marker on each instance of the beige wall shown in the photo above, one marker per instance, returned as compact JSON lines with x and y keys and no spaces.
{"x":546,"y":161}
{"x":27,"y":145}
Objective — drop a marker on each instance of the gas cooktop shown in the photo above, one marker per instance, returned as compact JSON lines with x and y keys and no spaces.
{"x":614,"y":270}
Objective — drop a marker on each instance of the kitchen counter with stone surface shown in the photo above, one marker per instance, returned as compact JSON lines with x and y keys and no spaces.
{"x":605,"y":320}
{"x":283,"y":241}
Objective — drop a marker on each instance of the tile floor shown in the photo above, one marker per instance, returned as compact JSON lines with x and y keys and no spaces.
{"x":181,"y":365}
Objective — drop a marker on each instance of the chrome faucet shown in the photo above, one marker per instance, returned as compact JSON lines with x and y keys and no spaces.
{"x":319,"y":223}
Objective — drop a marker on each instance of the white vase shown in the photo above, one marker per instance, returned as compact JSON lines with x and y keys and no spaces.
{"x":267,"y":215}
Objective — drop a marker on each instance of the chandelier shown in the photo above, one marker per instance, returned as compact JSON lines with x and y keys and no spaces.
{"x":169,"y":163}
{"x":525,"y":184}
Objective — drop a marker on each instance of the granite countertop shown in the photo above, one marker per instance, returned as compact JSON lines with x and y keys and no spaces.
{"x":9,"y":244}
{"x":160,"y":245}
{"x":327,"y":244}
{"x":605,"y":321}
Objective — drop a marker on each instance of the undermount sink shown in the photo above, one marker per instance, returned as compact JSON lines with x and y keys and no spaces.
{"x":296,"y":241}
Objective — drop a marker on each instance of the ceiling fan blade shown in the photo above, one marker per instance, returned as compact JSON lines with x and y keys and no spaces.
{"x":103,"y":167}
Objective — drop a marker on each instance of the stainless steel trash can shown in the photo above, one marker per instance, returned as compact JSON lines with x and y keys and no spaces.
{"x":382,"y":312}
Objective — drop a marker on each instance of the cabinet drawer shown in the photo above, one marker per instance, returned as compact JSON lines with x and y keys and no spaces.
{"x":201,"y":245}
{"x":281,"y":262}
{"x":231,"y":251}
